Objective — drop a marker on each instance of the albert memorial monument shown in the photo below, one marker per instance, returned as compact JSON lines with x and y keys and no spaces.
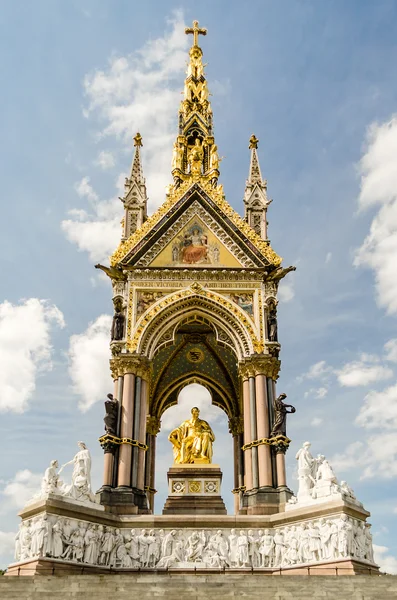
{"x":195,"y":300}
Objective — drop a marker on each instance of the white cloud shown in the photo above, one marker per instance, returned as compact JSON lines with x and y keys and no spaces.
{"x":286,"y":291}
{"x":138,"y":92}
{"x":97,"y":232}
{"x":379,"y":188}
{"x":316,"y":393}
{"x":362,"y":372}
{"x":379,"y":409}
{"x":328,"y":258}
{"x":25,"y":349}
{"x":105,"y":160}
{"x":386,"y":562}
{"x":374,"y":458}
{"x":85,"y":190}
{"x":7,"y":543}
{"x":191,"y":395}
{"x":319,"y":370}
{"x":89,"y":362}
{"x":98,"y":237}
{"x":19,"y":490}
{"x":316,"y":421}
{"x":391,"y":350}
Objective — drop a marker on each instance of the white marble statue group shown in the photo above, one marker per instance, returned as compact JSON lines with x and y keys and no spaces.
{"x":82,"y":542}
{"x":80,"y":487}
{"x":317,"y":479}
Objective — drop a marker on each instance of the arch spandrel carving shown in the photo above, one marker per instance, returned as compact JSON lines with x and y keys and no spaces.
{"x":194,"y":299}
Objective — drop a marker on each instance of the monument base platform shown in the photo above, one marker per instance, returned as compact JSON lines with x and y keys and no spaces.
{"x":194,"y":489}
{"x":60,"y":537}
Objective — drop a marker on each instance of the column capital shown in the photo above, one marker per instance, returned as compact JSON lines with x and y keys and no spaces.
{"x":134,"y":364}
{"x":260,"y":364}
{"x":152,"y":425}
{"x":109,"y":443}
{"x":236,"y":425}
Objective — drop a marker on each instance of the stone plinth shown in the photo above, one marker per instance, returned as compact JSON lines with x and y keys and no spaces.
{"x":194,"y":490}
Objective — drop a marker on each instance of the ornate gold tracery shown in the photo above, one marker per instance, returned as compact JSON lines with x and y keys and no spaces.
{"x":178,"y":305}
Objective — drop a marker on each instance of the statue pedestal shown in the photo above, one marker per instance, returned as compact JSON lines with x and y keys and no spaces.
{"x":194,"y":489}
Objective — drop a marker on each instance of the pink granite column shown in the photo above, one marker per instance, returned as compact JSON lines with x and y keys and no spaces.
{"x":236,"y":451}
{"x":151,"y":469}
{"x":127,"y":419}
{"x":281,"y":475}
{"x":247,"y":434}
{"x":262,"y":417}
{"x":108,"y":468}
{"x":142,"y":435}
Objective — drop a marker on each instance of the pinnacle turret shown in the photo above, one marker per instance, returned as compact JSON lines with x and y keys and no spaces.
{"x":135,"y":196}
{"x":195,"y":155}
{"x":255,"y":195}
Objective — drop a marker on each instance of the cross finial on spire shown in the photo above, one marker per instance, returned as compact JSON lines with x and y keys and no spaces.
{"x":195,"y":30}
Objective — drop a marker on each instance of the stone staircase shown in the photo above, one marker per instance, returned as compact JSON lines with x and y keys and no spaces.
{"x":198,"y":586}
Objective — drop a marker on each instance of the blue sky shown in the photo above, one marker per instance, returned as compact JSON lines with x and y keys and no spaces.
{"x":316,"y":83}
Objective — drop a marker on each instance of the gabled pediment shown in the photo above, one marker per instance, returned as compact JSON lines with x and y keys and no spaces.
{"x":255,"y":197}
{"x":237,"y":243}
{"x":195,"y":244}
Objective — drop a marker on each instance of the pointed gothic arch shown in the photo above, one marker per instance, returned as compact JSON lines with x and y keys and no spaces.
{"x":166,"y":314}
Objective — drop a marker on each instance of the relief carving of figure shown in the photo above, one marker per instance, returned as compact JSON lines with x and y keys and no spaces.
{"x":195,"y":546}
{"x":192,"y":440}
{"x":266,"y":548}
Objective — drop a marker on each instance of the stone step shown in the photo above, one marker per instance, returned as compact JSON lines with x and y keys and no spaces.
{"x":198,"y":587}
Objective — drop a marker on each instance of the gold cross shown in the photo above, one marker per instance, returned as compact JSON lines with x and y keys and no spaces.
{"x":195,"y":30}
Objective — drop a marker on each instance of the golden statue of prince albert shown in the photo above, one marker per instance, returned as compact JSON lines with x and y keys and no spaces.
{"x":192,"y":440}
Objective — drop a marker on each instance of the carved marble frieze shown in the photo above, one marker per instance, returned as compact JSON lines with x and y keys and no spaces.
{"x":311,"y":541}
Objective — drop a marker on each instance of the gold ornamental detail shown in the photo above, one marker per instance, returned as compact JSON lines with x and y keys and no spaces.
{"x":195,"y":487}
{"x":260,"y":365}
{"x":279,"y":442}
{"x":195,"y":289}
{"x":217,"y":195}
{"x":152,"y":425}
{"x":136,"y":365}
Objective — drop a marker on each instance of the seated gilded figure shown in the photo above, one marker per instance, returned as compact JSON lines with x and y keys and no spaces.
{"x":192,"y":440}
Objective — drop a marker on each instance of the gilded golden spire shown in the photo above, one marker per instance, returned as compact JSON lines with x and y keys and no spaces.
{"x":195,"y":155}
